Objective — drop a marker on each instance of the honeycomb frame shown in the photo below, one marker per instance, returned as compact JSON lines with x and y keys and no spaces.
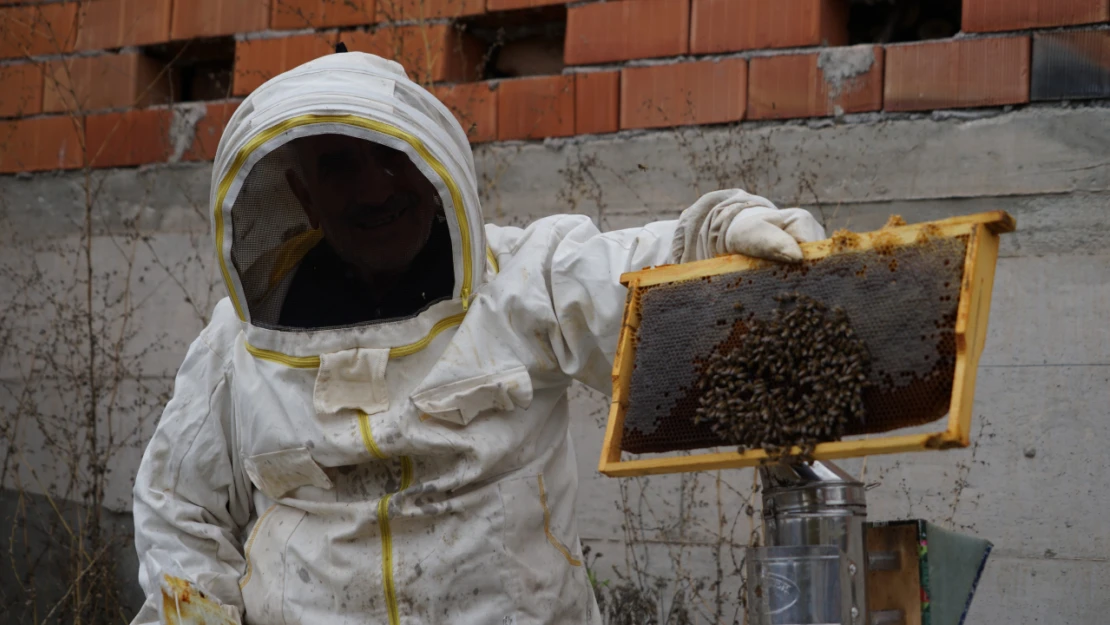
{"x":982,"y":232}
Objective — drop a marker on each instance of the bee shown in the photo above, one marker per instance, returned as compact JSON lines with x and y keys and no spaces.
{"x":794,"y":380}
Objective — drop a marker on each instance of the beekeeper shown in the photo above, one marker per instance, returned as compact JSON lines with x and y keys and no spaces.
{"x":373,"y":427}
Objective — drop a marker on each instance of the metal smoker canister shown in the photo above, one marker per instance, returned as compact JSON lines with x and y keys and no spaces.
{"x":815,"y":506}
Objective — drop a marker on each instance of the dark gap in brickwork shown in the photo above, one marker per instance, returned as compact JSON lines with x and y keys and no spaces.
{"x":199,"y":69}
{"x":528,"y":42}
{"x":895,"y":21}
{"x":1071,"y":65}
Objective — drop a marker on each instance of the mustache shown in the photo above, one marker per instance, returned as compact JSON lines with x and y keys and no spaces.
{"x":366,"y":214}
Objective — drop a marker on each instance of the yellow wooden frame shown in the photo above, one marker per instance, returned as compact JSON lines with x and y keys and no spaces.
{"x":982,"y":230}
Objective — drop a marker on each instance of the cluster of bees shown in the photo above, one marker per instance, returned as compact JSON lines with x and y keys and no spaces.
{"x":796,"y":379}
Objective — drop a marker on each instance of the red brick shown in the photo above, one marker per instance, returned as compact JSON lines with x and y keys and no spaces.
{"x":475,"y":106}
{"x":954,"y":74}
{"x":209,"y":130}
{"x":35,"y":30}
{"x":836,"y":81}
{"x":533,"y":108}
{"x":997,"y":15}
{"x":597,"y":102}
{"x":128,"y":139}
{"x":630,"y":29}
{"x":101,"y":82}
{"x":294,"y":14}
{"x":454,"y":56}
{"x":40,"y":144}
{"x":104,"y":24}
{"x":395,"y":10}
{"x":21,"y":89}
{"x":701,"y":92}
{"x":506,"y":5}
{"x":258,"y":60}
{"x":730,"y":25}
{"x":211,"y":18}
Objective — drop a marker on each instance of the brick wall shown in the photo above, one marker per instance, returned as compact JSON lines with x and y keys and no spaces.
{"x":100,"y":82}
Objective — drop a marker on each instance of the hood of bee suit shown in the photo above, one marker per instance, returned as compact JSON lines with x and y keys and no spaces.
{"x":261,"y":231}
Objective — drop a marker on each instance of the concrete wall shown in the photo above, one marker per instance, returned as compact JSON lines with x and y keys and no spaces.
{"x":1033,"y":482}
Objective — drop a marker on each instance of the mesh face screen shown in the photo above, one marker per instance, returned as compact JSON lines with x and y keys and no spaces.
{"x":901,"y":302}
{"x":271,"y":234}
{"x":267,"y":225}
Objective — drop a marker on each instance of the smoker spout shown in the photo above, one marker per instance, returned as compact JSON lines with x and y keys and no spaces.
{"x":781,"y":475}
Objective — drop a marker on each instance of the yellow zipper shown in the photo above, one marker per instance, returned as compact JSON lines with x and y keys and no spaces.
{"x":250,"y":543}
{"x":312,"y":362}
{"x":387,"y":544}
{"x":368,"y":436}
{"x":296,"y":362}
{"x":492,"y":258}
{"x":551,"y":538}
{"x":388,"y":586}
{"x":415,"y":346}
{"x":349,"y":120}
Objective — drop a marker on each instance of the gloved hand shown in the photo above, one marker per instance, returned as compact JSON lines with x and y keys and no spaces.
{"x":732,"y":221}
{"x":182,"y":602}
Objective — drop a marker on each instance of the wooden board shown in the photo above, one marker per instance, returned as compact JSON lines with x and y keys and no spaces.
{"x":982,"y":230}
{"x":896,"y":589}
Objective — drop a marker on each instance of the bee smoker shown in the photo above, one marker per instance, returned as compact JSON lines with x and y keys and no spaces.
{"x":813,"y":570}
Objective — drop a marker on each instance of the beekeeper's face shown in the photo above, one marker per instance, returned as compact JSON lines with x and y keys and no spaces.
{"x":374,"y":206}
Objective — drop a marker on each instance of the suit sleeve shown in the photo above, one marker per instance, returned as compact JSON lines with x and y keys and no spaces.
{"x":191,"y":500}
{"x":586,"y":292}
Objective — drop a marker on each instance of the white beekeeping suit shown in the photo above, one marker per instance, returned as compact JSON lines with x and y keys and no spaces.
{"x":411,"y":470}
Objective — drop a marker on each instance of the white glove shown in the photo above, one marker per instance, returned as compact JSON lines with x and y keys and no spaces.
{"x":198,"y":608}
{"x":732,"y":221}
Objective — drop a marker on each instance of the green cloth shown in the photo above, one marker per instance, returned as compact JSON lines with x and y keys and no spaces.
{"x":951,"y":565}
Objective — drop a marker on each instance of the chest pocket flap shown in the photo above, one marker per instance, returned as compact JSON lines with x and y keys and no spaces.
{"x":486,"y":367}
{"x":278,"y":472}
{"x":461,"y":401}
{"x":353,"y":379}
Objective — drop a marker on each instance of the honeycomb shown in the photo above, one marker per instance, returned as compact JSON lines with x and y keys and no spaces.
{"x":796,"y":381}
{"x":900,"y":300}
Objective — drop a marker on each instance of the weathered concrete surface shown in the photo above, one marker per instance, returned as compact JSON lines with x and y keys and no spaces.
{"x":1035,"y":151}
{"x":1032,"y":484}
{"x":154,"y":199}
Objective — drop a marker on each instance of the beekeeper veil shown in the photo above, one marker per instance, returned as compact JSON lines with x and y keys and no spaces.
{"x":343,"y":153}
